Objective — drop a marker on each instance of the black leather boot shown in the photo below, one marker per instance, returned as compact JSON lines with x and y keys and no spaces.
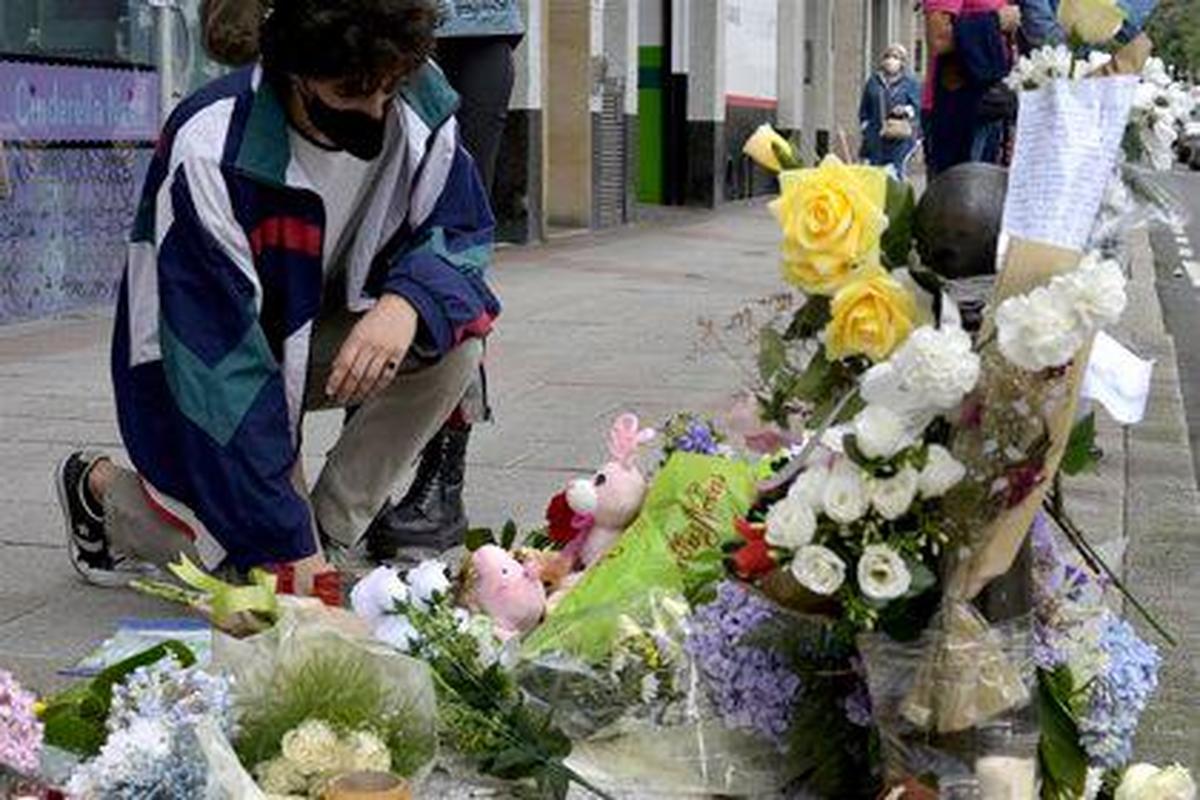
{"x":431,"y":517}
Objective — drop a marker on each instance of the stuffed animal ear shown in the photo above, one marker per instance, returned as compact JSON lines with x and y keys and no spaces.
{"x":626,"y":437}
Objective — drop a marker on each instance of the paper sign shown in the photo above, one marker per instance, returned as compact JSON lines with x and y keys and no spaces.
{"x":1068,"y":138}
{"x":1118,"y":380}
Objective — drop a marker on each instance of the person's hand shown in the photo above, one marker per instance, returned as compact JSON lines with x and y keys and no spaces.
{"x":1010,"y":18}
{"x":372,"y":353}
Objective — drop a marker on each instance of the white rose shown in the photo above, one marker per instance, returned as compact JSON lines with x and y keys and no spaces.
{"x":809,"y":488}
{"x":790,"y":524}
{"x":397,"y":632}
{"x":846,"y":498}
{"x":880,"y":432}
{"x":1039,"y":330}
{"x":942,"y":473}
{"x":882,"y":573}
{"x":893,"y":497}
{"x":426,"y":580}
{"x":377,"y":594}
{"x":312,"y":747}
{"x":1096,"y":289}
{"x":367,"y":753}
{"x":819,"y":569}
{"x":1147,"y":782}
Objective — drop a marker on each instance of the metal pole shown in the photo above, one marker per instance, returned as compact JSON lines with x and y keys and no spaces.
{"x":165,"y":30}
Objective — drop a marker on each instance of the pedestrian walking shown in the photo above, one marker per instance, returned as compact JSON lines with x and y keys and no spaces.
{"x":888,"y":113}
{"x":966,"y":104}
{"x":311,"y":235}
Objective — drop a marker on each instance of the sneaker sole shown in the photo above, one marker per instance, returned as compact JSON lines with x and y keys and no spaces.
{"x":97,"y":577}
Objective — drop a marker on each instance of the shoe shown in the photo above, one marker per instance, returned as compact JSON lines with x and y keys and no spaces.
{"x":431,"y":517}
{"x":87,"y":542}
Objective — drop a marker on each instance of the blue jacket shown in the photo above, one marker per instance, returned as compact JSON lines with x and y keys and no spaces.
{"x":878,"y":99}
{"x":480,"y":18}
{"x":224,"y":280}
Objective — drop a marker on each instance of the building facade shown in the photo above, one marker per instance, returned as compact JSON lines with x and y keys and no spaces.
{"x":617,"y":103}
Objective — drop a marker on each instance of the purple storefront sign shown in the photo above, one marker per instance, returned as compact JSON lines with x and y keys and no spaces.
{"x":59,"y":103}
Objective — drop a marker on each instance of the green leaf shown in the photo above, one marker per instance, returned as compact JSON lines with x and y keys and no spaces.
{"x":508,"y":536}
{"x":479,"y":537}
{"x":786,"y":156}
{"x":901,"y":211}
{"x":931,"y":282}
{"x":772,"y":354}
{"x":1081,"y":454}
{"x":809,"y":320}
{"x":1062,"y":757}
{"x":923,"y":578}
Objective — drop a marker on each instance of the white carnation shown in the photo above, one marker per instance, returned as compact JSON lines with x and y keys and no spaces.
{"x":809,"y":488}
{"x":882,"y":573}
{"x":893,"y":497}
{"x":279,"y":776}
{"x":377,"y":594}
{"x":933,"y":369}
{"x":397,"y":632}
{"x":312,"y":747}
{"x":790,"y":524}
{"x":846,"y":497}
{"x":819,"y":569}
{"x":942,"y":473}
{"x":1096,"y":290}
{"x":426,"y":581}
{"x":880,"y":432}
{"x":1039,"y":330}
{"x":1147,"y":782}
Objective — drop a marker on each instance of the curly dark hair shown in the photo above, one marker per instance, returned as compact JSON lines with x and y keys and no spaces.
{"x":360,"y":42}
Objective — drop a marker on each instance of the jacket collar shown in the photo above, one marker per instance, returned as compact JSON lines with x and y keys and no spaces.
{"x":264,"y":152}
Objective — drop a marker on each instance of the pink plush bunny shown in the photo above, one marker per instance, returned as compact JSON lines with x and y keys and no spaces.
{"x":509,"y":592}
{"x":612,"y":498}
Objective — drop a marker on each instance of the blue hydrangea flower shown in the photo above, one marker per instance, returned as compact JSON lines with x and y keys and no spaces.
{"x":751,"y":686}
{"x":1119,"y":694}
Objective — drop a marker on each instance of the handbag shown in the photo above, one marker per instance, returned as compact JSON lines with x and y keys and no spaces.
{"x":895,"y":128}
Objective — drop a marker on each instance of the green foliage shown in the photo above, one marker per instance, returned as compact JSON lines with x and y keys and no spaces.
{"x":343,"y":688}
{"x":809,"y":320}
{"x":901,"y":212}
{"x":1175,"y":29}
{"x":479,"y":537}
{"x":1062,"y":758}
{"x":75,"y":719}
{"x":1081,"y":454}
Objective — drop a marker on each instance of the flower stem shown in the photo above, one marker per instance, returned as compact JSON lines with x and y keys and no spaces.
{"x":796,"y":465}
{"x":1055,"y":508}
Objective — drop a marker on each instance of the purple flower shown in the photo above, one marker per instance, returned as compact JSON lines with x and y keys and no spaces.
{"x":750,"y":685}
{"x":698,"y":438}
{"x":20,"y":730}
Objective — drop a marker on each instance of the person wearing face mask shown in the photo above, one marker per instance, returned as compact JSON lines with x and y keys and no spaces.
{"x":311,"y":235}
{"x":888,"y":113}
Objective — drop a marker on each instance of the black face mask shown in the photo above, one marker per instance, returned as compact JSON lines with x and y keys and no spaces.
{"x":356,"y":132}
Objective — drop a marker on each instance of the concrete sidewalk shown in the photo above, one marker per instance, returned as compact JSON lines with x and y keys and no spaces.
{"x":593,"y":325}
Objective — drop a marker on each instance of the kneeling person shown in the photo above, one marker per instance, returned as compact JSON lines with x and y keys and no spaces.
{"x":311,"y":235}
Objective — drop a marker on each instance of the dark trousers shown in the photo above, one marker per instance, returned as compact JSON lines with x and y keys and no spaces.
{"x":481,"y":70}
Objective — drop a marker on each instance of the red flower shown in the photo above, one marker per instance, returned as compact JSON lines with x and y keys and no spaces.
{"x":1022,"y":481}
{"x":561,"y":519}
{"x":754,"y":558}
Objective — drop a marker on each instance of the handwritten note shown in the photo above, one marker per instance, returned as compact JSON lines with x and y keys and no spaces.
{"x":1068,"y":138}
{"x":1118,"y":380}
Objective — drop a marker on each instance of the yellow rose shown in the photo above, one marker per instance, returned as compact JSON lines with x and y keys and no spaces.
{"x":761,"y":147}
{"x":871,"y":317}
{"x":1093,"y":21}
{"x":832,"y":218}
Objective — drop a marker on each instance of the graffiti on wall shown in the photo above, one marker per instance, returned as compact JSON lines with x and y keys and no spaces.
{"x":64,"y":219}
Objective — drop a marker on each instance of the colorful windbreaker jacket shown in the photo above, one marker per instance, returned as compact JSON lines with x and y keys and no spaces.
{"x":223,"y":283}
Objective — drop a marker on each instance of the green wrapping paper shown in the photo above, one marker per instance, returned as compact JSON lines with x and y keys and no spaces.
{"x":673,"y":547}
